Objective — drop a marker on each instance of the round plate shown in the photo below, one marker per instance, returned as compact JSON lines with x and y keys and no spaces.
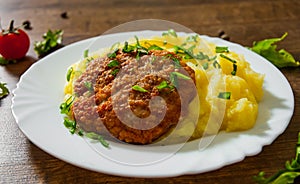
{"x":36,"y":101}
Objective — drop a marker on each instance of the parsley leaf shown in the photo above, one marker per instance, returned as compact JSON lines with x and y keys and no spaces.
{"x":52,"y":40}
{"x":171,"y":32}
{"x":267,"y":49}
{"x":287,"y":175}
{"x":139,"y":88}
{"x":3,"y":90}
{"x":225,"y":95}
{"x":97,"y":137}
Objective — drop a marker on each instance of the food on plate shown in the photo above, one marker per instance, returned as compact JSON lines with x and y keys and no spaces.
{"x":138,"y":91}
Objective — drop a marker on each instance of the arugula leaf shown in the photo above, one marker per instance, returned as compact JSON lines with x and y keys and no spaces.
{"x":3,"y":90}
{"x":52,"y":40}
{"x":267,"y":49}
{"x":287,"y":175}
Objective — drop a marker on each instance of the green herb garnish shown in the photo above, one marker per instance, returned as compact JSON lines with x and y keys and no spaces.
{"x":180,"y":75}
{"x":139,"y":88}
{"x":69,"y":73}
{"x":52,"y":40}
{"x":221,"y":49}
{"x":164,"y":84}
{"x":115,"y":72}
{"x":224,"y":95}
{"x":228,"y":58}
{"x":113,"y":54}
{"x":170,"y":32}
{"x":286,"y":175}
{"x":86,"y":53}
{"x":88,"y":85}
{"x":70,"y":124}
{"x":128,"y":48}
{"x":155,"y":47}
{"x":216,"y":64}
{"x":97,"y":137}
{"x":174,"y":78}
{"x":267,"y":49}
{"x":3,"y":90}
{"x":192,"y":38}
{"x":205,"y":65}
{"x":113,"y":63}
{"x":231,"y":60}
{"x":66,"y":106}
{"x":233,"y":72}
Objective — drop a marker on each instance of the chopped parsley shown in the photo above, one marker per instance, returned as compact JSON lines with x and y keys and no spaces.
{"x":233,"y":72}
{"x":69,"y":73}
{"x":66,"y":106}
{"x":170,"y":32}
{"x":70,"y":124}
{"x":180,"y":75}
{"x":86,"y":53}
{"x":113,"y":63}
{"x":205,"y":65}
{"x":155,"y":47}
{"x":174,"y":77}
{"x":115,"y":72}
{"x":139,"y":88}
{"x":221,"y":49}
{"x":89,"y":85}
{"x":128,"y":48}
{"x":3,"y":90}
{"x":225,"y":95}
{"x":228,"y":58}
{"x":164,"y":84}
{"x":231,"y":60}
{"x":97,"y":137}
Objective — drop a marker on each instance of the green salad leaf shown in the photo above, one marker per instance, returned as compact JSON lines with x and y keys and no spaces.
{"x":287,"y":175}
{"x":268,"y":49}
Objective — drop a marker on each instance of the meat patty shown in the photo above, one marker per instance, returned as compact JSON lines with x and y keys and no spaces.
{"x":135,"y":98}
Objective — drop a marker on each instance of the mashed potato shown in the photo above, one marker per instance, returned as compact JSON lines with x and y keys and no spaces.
{"x":228,"y":89}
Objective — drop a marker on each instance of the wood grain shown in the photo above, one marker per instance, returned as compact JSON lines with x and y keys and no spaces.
{"x":244,"y":21}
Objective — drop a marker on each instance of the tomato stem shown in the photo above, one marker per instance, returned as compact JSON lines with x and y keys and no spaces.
{"x":11,"y":27}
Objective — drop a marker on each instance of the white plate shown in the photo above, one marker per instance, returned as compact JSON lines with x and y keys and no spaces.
{"x":40,"y":92}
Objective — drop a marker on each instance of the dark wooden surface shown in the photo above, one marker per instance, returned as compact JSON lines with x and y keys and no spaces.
{"x":244,"y":22}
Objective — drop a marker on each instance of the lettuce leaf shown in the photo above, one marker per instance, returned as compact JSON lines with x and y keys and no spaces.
{"x":267,"y":49}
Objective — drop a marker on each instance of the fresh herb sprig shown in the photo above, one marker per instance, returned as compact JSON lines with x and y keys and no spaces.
{"x":286,"y":175}
{"x":97,"y":137}
{"x":268,"y":49}
{"x":3,"y":90}
{"x":52,"y":40}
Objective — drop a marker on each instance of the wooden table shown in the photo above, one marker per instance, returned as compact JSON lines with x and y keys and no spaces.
{"x":244,"y":21}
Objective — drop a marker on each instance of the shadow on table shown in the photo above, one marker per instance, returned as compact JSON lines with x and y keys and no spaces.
{"x":18,"y":68}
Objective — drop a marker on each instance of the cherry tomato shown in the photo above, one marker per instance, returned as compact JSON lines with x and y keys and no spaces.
{"x":14,"y":43}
